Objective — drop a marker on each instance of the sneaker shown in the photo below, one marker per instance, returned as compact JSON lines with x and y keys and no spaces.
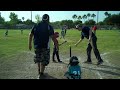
{"x":42,"y":76}
{"x":100,"y":62}
{"x":88,"y":62}
{"x":38,"y":77}
{"x":60,"y":61}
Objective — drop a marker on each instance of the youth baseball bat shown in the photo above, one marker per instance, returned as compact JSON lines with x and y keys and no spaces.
{"x":70,"y":50}
{"x":62,"y":43}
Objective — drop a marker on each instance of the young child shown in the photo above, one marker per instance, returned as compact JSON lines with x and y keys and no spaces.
{"x":63,"y":33}
{"x":74,"y":69}
{"x":65,"y":27}
{"x":55,"y":51}
{"x":6,"y":33}
{"x":21,"y":31}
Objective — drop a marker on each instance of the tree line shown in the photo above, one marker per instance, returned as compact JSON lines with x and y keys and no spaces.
{"x":77,"y":19}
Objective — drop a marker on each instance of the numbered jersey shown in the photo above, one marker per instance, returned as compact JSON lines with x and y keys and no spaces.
{"x":75,"y":72}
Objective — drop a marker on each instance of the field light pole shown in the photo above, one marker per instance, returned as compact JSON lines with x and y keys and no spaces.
{"x":97,"y":16}
{"x":31,"y":16}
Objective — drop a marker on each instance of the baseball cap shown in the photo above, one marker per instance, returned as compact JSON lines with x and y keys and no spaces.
{"x":45,"y":17}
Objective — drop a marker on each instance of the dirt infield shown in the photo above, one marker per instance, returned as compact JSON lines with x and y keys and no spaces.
{"x":21,"y":66}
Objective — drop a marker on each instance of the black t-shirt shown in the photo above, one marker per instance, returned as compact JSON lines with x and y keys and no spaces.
{"x":42,"y":33}
{"x":85,"y":32}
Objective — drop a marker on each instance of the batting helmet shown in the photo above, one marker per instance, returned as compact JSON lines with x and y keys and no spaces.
{"x":73,"y":61}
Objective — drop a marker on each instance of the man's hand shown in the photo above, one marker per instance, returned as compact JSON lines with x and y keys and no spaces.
{"x":89,"y":40}
{"x":30,"y":41}
{"x":76,"y":44}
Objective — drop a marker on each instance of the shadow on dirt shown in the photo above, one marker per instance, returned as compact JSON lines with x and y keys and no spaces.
{"x":47,"y":76}
{"x":64,"y":63}
{"x":112,"y":67}
{"x":61,"y":63}
{"x":103,"y":71}
{"x":107,"y":66}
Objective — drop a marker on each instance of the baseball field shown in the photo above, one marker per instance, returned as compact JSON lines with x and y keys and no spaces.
{"x":16,"y":61}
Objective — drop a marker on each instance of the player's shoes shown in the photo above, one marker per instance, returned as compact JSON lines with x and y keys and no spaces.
{"x":100,"y":62}
{"x":88,"y":62}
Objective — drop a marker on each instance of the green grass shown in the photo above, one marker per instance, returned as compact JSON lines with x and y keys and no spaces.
{"x":15,"y":42}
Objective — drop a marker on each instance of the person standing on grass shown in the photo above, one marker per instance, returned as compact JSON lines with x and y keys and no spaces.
{"x":65,"y":27}
{"x":63,"y":33}
{"x":21,"y":31}
{"x":92,"y":39}
{"x":6,"y":33}
{"x":41,"y":34}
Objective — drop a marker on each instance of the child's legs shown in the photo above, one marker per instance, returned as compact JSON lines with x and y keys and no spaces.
{"x":57,"y":54}
{"x":53,"y":56}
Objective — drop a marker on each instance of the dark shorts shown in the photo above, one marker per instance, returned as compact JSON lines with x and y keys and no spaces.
{"x":42,"y":56}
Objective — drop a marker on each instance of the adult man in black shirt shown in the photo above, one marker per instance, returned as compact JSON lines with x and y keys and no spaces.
{"x":92,"y":39}
{"x":42,"y":33}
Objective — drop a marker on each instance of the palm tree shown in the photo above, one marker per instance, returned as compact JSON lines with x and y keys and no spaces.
{"x":74,"y":16}
{"x":88,"y":15}
{"x":84,"y":17}
{"x":79,"y":18}
{"x":93,"y":15}
{"x":106,"y":14}
{"x":23,"y":18}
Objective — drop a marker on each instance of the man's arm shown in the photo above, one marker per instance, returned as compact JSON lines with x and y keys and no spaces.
{"x":30,"y":41}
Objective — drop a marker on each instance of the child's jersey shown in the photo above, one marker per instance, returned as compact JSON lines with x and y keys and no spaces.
{"x":56,"y":42}
{"x":74,"y":72}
